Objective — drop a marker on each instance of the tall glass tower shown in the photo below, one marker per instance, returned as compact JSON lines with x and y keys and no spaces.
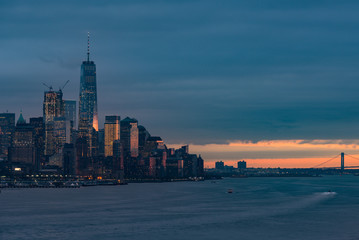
{"x":88,"y":115}
{"x":53,"y":108}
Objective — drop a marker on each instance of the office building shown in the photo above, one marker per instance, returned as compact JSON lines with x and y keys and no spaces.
{"x":70,"y":112}
{"x":22,"y":150}
{"x":242,"y":165}
{"x":112,"y":133}
{"x":155,"y":156}
{"x":7,"y":127}
{"x":220,"y":165}
{"x":118,"y":160}
{"x":39,"y":134}
{"x":101,"y":142}
{"x":129,"y":136}
{"x":143,"y":135}
{"x":53,"y":107}
{"x":88,"y":114}
{"x":69,"y":159}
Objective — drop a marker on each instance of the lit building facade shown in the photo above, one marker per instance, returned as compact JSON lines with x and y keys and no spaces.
{"x":129,"y":136}
{"x":88,"y":115}
{"x":53,"y":107}
{"x":88,"y":93}
{"x":62,"y":132}
{"x":112,"y":133}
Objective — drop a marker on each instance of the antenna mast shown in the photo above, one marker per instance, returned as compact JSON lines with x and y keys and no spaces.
{"x":88,"y":46}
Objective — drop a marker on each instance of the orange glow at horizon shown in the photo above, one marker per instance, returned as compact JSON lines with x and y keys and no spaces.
{"x":295,"y":153}
{"x":287,"y":162}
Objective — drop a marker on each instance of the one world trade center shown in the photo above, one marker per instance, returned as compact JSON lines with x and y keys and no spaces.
{"x":88,"y":115}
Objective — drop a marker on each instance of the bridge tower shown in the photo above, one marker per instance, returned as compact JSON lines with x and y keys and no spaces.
{"x":342,"y":161}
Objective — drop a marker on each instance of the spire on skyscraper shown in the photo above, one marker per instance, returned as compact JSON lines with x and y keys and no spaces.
{"x":21,"y":120}
{"x":88,"y":46}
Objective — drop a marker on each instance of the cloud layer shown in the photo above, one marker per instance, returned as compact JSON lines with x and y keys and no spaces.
{"x":200,"y":72}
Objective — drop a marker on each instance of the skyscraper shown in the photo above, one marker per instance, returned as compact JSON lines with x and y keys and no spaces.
{"x":53,"y":107}
{"x":129,"y":136}
{"x":143,"y":135}
{"x":7,"y":127}
{"x":22,"y":150}
{"x":118,"y":160}
{"x":129,"y":146}
{"x":242,"y":164}
{"x":62,"y":131}
{"x":88,"y":116}
{"x":70,"y":112}
{"x":112,"y":133}
{"x":38,"y":125}
{"x":69,"y":159}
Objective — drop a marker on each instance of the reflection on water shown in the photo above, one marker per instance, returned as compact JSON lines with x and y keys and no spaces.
{"x":257,"y":208}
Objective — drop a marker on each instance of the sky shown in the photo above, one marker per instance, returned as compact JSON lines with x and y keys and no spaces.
{"x":208,"y":73}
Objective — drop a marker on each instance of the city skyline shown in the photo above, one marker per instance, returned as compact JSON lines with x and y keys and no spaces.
{"x":178,"y":119}
{"x":233,"y":76}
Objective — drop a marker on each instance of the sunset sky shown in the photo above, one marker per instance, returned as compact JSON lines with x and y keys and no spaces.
{"x":281,"y":153}
{"x":273,"y":82}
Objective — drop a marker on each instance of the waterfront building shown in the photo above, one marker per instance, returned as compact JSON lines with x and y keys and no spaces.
{"x":118,"y":160}
{"x":69,"y":159}
{"x":242,"y":165}
{"x":183,"y":164}
{"x":174,"y":167}
{"x":129,"y":142}
{"x":82,"y":155}
{"x":220,"y":165}
{"x":200,"y":166}
{"x":190,"y":165}
{"x":143,"y":135}
{"x":7,"y":128}
{"x":22,"y":150}
{"x":112,"y":133}
{"x":155,"y":157}
{"x":129,"y":136}
{"x":101,"y":142}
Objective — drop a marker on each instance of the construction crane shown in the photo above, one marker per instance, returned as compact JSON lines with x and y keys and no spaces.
{"x":49,"y":87}
{"x":64,"y":85}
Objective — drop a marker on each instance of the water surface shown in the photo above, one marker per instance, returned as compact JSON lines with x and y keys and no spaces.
{"x":258,"y":208}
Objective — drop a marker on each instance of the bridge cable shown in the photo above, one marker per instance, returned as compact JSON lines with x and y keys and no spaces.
{"x":351,"y":156}
{"x":316,"y":166}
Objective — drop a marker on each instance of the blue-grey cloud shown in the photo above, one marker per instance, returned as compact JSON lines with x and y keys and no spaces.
{"x":193,"y":71}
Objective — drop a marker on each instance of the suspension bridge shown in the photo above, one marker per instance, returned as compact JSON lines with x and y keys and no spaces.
{"x":342,"y":166}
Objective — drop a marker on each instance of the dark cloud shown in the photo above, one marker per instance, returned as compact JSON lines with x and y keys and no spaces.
{"x":193,"y":71}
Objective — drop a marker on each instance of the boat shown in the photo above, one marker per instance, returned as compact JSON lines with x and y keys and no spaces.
{"x":230,"y":190}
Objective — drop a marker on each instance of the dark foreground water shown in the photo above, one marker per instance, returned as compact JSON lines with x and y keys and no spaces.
{"x":258,"y":208}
